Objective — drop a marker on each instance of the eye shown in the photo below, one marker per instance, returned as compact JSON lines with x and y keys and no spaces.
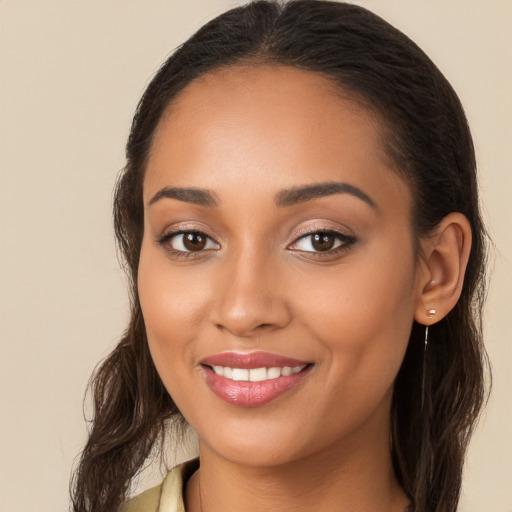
{"x":187,"y":241}
{"x":322,"y":242}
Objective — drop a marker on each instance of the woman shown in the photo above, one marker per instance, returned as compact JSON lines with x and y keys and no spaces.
{"x":299,"y":219}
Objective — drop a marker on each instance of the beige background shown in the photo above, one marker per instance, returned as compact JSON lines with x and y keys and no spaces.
{"x":71,"y":72}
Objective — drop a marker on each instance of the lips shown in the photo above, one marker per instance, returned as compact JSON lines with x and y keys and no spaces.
{"x":252,"y":380}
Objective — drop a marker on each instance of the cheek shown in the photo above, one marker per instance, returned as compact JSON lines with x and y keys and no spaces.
{"x":172,"y":304}
{"x":362,"y":312}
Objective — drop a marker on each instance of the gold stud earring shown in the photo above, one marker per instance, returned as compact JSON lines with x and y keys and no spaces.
{"x":430,"y":314}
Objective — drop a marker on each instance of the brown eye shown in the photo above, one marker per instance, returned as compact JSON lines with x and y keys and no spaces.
{"x":323,"y":241}
{"x":194,"y":241}
{"x":330,"y":242}
{"x":187,"y":242}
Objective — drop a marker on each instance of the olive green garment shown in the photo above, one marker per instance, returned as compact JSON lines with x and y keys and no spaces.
{"x":166,"y":497}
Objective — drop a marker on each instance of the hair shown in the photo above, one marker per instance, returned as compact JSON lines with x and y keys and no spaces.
{"x":438,"y":394}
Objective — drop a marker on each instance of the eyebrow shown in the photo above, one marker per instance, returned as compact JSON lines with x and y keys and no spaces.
{"x":284,"y":198}
{"x":297,"y":195}
{"x":197,"y":196}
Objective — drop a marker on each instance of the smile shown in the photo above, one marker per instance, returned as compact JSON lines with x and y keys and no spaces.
{"x":252,"y":380}
{"x":256,"y":374}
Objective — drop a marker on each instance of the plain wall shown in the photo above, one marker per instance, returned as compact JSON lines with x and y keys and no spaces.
{"x":71,"y":73}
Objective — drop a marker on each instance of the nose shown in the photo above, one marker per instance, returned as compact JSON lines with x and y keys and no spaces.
{"x":251,"y":298}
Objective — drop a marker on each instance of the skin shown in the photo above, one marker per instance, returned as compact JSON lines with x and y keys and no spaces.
{"x":245,"y":134}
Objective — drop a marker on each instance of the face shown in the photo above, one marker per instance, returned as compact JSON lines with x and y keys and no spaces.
{"x":277,"y":274}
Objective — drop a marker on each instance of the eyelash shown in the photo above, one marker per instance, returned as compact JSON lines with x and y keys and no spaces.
{"x":346,"y":242}
{"x":167,"y":237}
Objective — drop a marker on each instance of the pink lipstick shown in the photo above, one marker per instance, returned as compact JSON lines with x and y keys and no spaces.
{"x":254,"y":379}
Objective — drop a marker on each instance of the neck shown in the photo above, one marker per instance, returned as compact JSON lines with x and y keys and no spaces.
{"x":359,"y":478}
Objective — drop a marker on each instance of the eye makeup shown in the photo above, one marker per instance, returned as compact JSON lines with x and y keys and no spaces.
{"x":314,"y":243}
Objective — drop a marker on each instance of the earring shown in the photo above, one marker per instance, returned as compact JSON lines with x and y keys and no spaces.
{"x":430,"y":314}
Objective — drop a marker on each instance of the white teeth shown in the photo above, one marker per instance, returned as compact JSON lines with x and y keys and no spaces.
{"x":256,"y":374}
{"x":286,"y":371}
{"x":240,"y":374}
{"x":274,"y":373}
{"x":219,"y":370}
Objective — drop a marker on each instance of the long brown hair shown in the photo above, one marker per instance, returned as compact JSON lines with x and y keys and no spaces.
{"x":428,"y":138}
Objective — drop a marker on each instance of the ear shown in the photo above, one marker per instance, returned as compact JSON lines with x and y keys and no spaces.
{"x":442,"y":267}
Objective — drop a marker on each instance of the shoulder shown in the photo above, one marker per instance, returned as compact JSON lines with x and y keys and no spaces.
{"x":166,"y":497}
{"x":148,"y":501}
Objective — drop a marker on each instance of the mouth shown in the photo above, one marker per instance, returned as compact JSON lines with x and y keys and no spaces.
{"x":256,"y":374}
{"x":252,"y":380}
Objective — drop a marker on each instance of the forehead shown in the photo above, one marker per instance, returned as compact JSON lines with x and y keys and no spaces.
{"x":242,"y":87}
{"x":277,"y":124}
{"x":267,"y":100}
